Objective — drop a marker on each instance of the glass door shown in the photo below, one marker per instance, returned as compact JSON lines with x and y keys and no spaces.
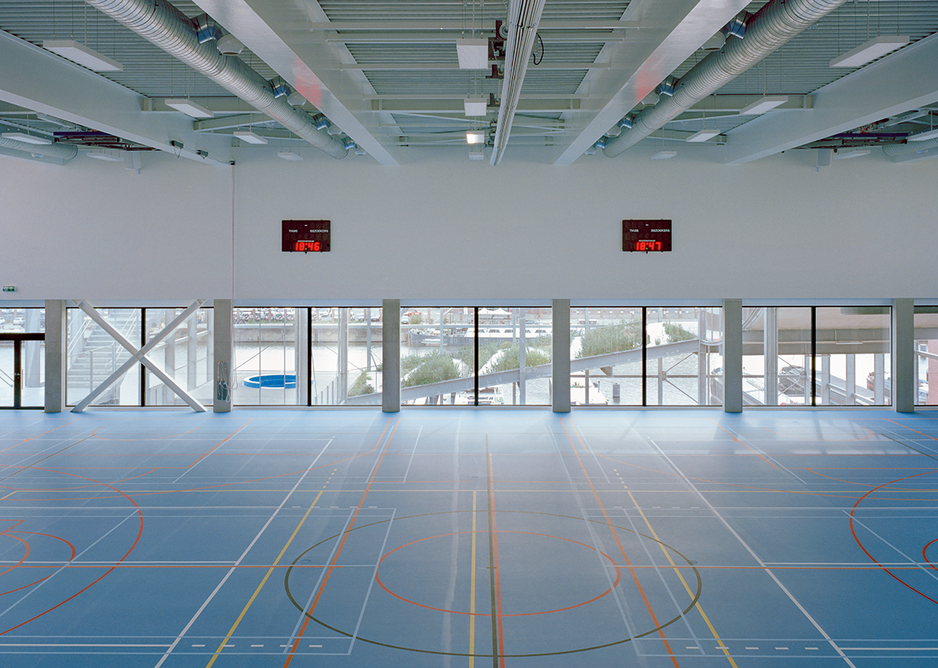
{"x":22,"y":384}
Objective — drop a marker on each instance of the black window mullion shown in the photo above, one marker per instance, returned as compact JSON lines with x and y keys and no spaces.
{"x":309,"y":355}
{"x":475,"y":327}
{"x":644,"y":356}
{"x":17,"y":374}
{"x":143,"y":368}
{"x":814,"y":355}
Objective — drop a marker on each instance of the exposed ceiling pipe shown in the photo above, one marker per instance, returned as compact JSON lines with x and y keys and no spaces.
{"x":162,"y":24}
{"x":60,"y":151}
{"x":523,"y":19}
{"x":770,"y":28}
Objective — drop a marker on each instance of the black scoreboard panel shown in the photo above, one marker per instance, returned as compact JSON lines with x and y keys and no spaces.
{"x":306,"y":236}
{"x":646,"y":236}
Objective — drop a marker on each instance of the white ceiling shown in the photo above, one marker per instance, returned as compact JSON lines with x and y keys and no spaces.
{"x":385,"y":74}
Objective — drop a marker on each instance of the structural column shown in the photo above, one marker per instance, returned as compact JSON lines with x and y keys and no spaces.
{"x":903,"y":356}
{"x":732,"y":355}
{"x":56,"y":356}
{"x":560,"y":355}
{"x":223,"y":320}
{"x":391,"y":355}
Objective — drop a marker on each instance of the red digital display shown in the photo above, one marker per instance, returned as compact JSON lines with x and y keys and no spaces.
{"x":646,"y":236}
{"x":306,"y":236}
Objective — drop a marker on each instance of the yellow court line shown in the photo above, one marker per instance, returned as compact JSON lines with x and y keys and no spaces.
{"x":8,"y":495}
{"x":684,"y":582}
{"x":472,"y":588}
{"x":261,"y":585}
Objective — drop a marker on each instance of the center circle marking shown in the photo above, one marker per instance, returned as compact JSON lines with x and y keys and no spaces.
{"x":485,"y":614}
{"x":661,"y":625}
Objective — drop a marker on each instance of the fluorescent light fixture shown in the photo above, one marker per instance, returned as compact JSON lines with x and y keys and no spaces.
{"x":846,"y":155}
{"x":249,"y":137}
{"x":703,"y":135}
{"x":476,"y":106}
{"x":763,"y":104}
{"x":664,"y":155}
{"x":473,"y":54}
{"x":290,"y":155}
{"x":81,"y":54}
{"x":473,"y":137}
{"x":106,"y":155}
{"x":476,"y":153}
{"x":875,"y":48}
{"x":921,"y":136}
{"x":26,"y":138}
{"x":189,"y":108}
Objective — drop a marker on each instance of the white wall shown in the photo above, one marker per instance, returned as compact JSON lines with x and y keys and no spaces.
{"x":443,"y":228}
{"x":93,"y":230}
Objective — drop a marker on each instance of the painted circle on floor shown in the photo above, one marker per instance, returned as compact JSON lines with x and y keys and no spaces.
{"x":506,"y":534}
{"x":683,"y":563}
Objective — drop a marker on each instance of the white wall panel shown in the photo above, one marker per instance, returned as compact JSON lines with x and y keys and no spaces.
{"x":444,"y":228}
{"x":96,"y":231}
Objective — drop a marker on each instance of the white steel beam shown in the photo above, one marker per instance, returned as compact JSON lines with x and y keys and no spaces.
{"x":139,"y":355}
{"x":671,"y":31}
{"x":907,"y":79}
{"x":278,"y":33}
{"x":46,"y":83}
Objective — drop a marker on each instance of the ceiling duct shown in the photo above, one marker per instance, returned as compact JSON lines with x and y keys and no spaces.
{"x":523,"y":19}
{"x":771,"y":27}
{"x":165,"y":26}
{"x":60,"y":151}
{"x":894,"y":150}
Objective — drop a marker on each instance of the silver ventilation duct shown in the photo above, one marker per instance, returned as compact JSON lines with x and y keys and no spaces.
{"x":161,"y":24}
{"x":894,"y":150}
{"x":60,"y":151}
{"x":769,"y":29}
{"x":523,"y":19}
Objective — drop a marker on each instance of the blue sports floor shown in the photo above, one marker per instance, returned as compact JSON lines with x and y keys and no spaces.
{"x":469,"y":538}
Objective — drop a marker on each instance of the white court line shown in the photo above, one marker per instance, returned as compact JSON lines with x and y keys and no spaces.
{"x":911,"y":561}
{"x":240,"y":559}
{"x":756,"y":557}
{"x":75,"y":644}
{"x":411,"y":460}
{"x":65,"y":565}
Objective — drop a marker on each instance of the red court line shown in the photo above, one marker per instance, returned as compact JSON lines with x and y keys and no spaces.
{"x":5,"y":533}
{"x":514,"y":614}
{"x":106,"y":573}
{"x":857,"y":539}
{"x":628,"y":562}
{"x":38,"y":436}
{"x":925,"y":556}
{"x":322,"y":587}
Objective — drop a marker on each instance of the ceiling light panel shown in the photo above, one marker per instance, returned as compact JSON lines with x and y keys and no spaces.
{"x":189,"y":108}
{"x":764,"y":104}
{"x":26,"y":138}
{"x":869,"y":51}
{"x":473,"y":54}
{"x":249,"y":137}
{"x":703,"y":135}
{"x":81,"y":54}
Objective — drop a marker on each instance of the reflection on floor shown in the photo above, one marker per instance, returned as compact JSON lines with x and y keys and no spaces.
{"x":469,"y":538}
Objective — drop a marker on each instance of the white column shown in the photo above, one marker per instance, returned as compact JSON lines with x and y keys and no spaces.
{"x":56,"y":352}
{"x":732,"y":355}
{"x":903,"y":355}
{"x":560,"y":365}
{"x":222,"y":343}
{"x":391,"y":356}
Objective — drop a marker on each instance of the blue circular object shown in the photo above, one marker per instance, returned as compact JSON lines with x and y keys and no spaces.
{"x":272,"y":380}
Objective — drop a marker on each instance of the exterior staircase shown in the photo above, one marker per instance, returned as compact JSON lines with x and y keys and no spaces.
{"x":94,"y":354}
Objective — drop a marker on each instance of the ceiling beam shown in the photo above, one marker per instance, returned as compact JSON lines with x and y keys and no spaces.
{"x":455,"y":66}
{"x":39,"y":80}
{"x":904,"y":80}
{"x":277,"y":33}
{"x":672,"y":30}
{"x":463,"y":26}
